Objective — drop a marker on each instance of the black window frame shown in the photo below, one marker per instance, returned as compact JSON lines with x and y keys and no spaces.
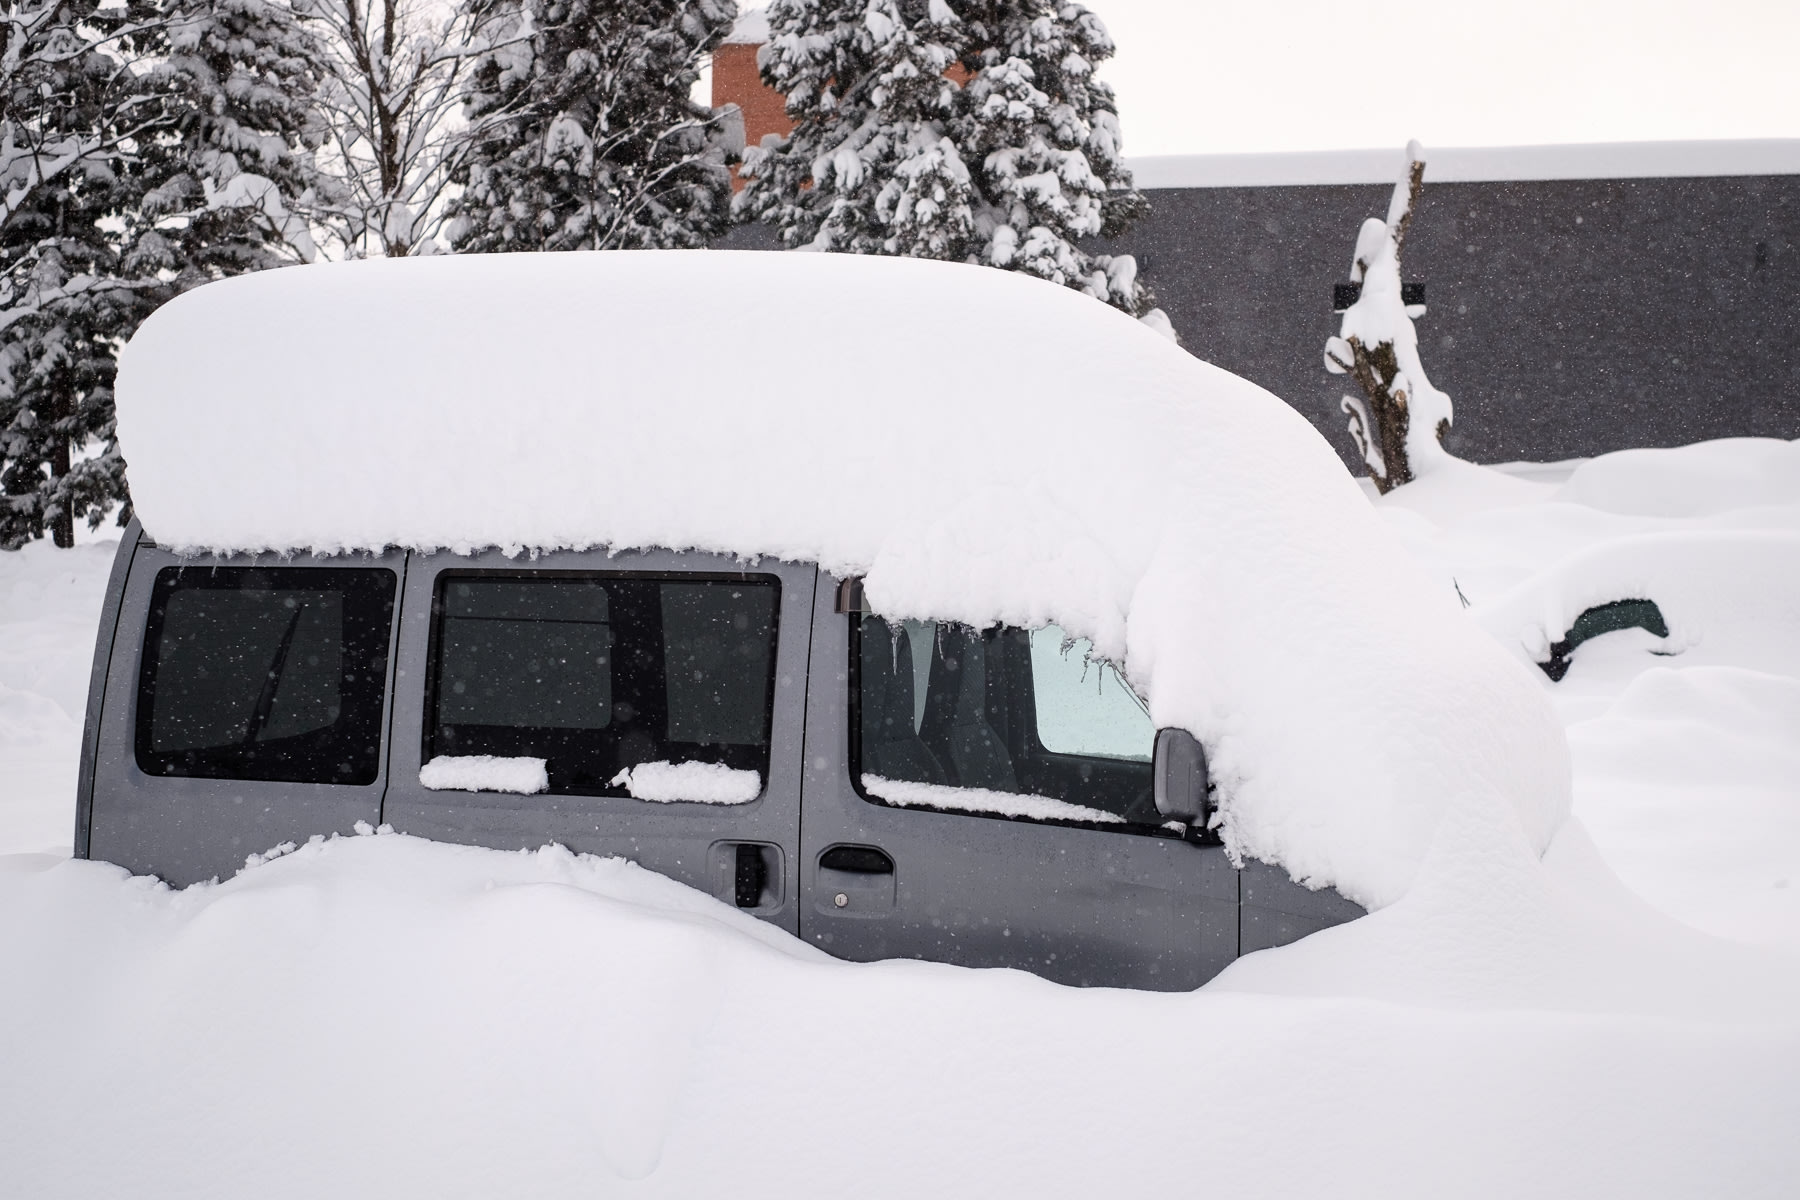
{"x":1021,"y":699}
{"x":428,"y":725}
{"x":284,"y":760}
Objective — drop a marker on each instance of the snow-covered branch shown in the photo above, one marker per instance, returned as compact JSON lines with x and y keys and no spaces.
{"x":392,"y":102}
{"x":587,"y":136}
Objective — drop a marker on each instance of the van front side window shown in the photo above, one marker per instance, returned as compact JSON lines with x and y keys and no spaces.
{"x":603,"y":677}
{"x":1003,"y":722}
{"x":265,"y":673}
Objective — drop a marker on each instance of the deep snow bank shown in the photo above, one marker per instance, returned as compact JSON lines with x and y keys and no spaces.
{"x":1686,"y":748}
{"x":49,"y":606}
{"x":384,"y":1016}
{"x":982,"y":446}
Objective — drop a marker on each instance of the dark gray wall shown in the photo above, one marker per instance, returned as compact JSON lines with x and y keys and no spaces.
{"x":1565,"y":318}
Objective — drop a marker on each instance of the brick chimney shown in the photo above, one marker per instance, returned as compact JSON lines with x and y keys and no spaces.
{"x":735,"y":81}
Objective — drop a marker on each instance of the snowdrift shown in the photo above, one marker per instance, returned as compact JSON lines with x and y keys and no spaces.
{"x":983,"y":447}
{"x":383,"y":1016}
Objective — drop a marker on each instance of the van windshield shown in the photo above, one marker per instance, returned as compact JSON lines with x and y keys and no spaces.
{"x":596,"y":674}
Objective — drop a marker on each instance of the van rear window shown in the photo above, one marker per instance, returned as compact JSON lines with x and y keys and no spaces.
{"x":596,"y":674}
{"x":273,"y":673}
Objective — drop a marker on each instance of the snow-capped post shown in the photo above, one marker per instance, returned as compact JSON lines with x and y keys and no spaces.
{"x":965,"y":130}
{"x":1400,"y":421}
{"x":586,"y":138}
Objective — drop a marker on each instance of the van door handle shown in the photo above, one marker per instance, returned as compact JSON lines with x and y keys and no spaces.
{"x":857,"y":860}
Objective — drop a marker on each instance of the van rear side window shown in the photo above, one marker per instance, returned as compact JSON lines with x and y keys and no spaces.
{"x":273,"y":673}
{"x":596,"y":674}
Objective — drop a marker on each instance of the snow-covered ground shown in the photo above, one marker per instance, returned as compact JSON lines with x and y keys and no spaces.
{"x":385,"y":1016}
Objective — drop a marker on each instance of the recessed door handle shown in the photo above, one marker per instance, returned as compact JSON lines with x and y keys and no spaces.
{"x":857,"y":860}
{"x":751,"y":877}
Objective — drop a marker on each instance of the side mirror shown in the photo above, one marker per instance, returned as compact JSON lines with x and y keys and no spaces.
{"x":1179,"y":770}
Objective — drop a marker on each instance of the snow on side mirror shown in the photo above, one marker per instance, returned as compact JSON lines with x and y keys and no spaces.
{"x":1179,"y":770}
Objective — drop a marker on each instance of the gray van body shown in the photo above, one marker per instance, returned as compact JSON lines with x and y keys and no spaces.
{"x":1094,"y":906}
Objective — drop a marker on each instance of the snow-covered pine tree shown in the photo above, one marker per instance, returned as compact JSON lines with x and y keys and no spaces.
{"x":583,"y":133}
{"x":1046,"y":135}
{"x":216,"y":96}
{"x":1400,"y":420}
{"x":890,"y":155}
{"x":74,"y":115}
{"x":872,"y":166}
{"x":227,"y":183}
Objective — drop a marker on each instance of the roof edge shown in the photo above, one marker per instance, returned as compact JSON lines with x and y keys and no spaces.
{"x":750,"y":29}
{"x":1474,"y":164}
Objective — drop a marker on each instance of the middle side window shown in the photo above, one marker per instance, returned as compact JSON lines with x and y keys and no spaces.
{"x":607,"y":676}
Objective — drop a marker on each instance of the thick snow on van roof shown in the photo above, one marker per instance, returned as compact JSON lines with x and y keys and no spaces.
{"x":982,"y":446}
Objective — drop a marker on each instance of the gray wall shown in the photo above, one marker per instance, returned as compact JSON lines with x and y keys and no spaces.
{"x":1565,"y":318}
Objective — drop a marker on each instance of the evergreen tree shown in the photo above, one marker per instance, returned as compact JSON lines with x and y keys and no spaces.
{"x":66,"y":309}
{"x":969,"y":130}
{"x":584,"y":136}
{"x":215,"y":94}
{"x":226,"y":183}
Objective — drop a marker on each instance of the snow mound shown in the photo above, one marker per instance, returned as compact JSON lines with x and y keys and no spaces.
{"x":1689,"y":481}
{"x":982,"y":446}
{"x":1686,"y":748}
{"x":1699,"y":579}
{"x":434,"y":1020}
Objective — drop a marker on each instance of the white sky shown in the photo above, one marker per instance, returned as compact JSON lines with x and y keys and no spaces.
{"x":1197,"y":77}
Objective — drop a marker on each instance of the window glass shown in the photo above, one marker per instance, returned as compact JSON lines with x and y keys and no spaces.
{"x":599,"y":673}
{"x":1082,"y":705}
{"x":719,"y":658}
{"x":516,"y":655}
{"x":1000,"y":722}
{"x":265,"y":673}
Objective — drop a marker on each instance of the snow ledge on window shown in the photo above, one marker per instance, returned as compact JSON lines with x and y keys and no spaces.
{"x":904,"y":794}
{"x":485,"y":773}
{"x":689,"y":782}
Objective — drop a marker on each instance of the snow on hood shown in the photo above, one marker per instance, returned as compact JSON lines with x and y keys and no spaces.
{"x":982,"y":446}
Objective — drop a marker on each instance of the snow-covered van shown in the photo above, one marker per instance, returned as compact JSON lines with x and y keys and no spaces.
{"x":920,"y":610}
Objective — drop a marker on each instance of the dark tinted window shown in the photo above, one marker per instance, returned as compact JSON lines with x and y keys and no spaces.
{"x":596,"y":673}
{"x":1005,"y":722}
{"x":265,"y":673}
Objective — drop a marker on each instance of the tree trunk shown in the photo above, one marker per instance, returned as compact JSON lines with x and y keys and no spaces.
{"x":1388,"y":418}
{"x":62,"y":525}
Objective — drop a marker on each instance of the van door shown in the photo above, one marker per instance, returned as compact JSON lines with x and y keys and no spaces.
{"x":648,"y":705}
{"x":985,"y":799}
{"x":244,"y":707}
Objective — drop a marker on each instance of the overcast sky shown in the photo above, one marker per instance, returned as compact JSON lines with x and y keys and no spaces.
{"x":1197,"y":76}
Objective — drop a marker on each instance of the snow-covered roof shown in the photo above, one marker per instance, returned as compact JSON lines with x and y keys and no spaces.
{"x":1473,"y":164}
{"x":981,"y":446}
